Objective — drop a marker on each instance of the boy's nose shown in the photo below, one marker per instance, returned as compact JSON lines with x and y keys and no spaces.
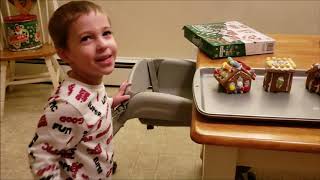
{"x":102,"y":44}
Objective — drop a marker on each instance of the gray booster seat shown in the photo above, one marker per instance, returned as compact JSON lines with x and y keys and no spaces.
{"x":161,"y":94}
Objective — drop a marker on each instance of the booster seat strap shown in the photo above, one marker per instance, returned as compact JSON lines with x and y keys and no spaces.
{"x":153,"y":75}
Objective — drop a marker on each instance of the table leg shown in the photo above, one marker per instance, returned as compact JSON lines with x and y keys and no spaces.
{"x":12,"y":73}
{"x":219,"y":163}
{"x":3,"y":71}
{"x":52,"y":72}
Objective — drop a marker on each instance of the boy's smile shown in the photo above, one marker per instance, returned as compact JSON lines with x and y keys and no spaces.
{"x":104,"y":60}
{"x":91,"y":48}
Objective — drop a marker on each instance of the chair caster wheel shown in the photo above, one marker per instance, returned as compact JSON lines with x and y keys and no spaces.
{"x":150,"y":127}
{"x":114,"y":168}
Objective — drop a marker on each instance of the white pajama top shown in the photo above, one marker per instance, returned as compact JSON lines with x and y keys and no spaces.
{"x":73,"y":139}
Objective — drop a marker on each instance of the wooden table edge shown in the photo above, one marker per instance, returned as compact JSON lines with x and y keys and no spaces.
{"x":242,"y":142}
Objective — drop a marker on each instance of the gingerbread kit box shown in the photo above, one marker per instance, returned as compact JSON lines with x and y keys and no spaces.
{"x":232,"y":38}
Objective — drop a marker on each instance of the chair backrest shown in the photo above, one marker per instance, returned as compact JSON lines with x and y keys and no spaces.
{"x":176,"y":76}
{"x":41,"y":8}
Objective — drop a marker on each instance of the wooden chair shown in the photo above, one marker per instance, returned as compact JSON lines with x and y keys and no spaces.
{"x":47,"y":52}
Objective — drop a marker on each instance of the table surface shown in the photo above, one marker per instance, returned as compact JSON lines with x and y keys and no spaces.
{"x":305,"y":51}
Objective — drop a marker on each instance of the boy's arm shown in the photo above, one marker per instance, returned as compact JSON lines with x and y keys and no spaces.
{"x":58,"y":131}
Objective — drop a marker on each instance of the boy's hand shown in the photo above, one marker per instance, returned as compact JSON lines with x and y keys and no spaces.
{"x":120,"y":97}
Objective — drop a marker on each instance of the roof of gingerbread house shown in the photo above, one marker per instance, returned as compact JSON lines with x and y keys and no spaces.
{"x":276,"y":64}
{"x":231,"y":68}
{"x":315,"y":67}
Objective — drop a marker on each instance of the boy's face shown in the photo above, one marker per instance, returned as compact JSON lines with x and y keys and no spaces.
{"x":91,"y":48}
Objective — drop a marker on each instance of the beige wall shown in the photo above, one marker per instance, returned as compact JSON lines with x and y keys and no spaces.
{"x":153,"y":28}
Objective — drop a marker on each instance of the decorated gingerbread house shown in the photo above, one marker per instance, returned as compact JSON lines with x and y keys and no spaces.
{"x":234,"y":76}
{"x":313,"y":78}
{"x":279,"y":74}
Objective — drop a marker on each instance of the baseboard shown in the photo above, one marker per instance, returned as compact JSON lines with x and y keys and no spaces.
{"x":122,"y":70}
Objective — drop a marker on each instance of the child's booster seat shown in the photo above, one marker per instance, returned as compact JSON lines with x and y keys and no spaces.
{"x":161,"y":94}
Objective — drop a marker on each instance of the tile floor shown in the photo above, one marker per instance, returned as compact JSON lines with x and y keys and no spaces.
{"x":161,"y":153}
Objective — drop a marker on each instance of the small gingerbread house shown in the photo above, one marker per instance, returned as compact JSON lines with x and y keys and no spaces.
{"x":279,"y":74}
{"x":234,"y":76}
{"x":313,"y":78}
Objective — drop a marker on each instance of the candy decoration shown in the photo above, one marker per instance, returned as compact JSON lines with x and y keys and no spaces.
{"x":280,"y":82}
{"x":232,"y":86}
{"x":226,"y":66}
{"x":234,"y":63}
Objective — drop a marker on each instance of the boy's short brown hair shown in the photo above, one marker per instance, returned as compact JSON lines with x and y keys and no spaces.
{"x":64,"y":16}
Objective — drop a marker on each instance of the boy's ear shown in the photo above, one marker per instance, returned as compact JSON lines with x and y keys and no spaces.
{"x":62,"y":54}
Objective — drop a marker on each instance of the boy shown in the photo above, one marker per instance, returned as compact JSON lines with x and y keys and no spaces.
{"x":73,"y":139}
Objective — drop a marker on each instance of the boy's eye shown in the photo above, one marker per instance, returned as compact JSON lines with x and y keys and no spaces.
{"x":85,"y":38}
{"x":106,"y":33}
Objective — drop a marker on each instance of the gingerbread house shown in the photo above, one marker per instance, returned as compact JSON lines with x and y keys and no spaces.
{"x":313,"y":78}
{"x":234,"y":76}
{"x":279,"y":74}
